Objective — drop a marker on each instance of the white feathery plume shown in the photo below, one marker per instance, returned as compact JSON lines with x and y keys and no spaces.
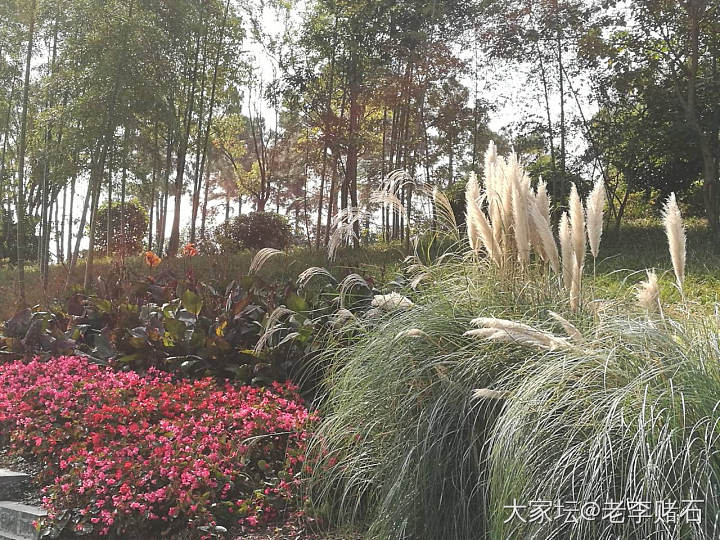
{"x":566,"y":251}
{"x":570,"y":329}
{"x":595,"y":205}
{"x":343,"y":228}
{"x":306,"y":275}
{"x":261,"y":257}
{"x":575,"y":287}
{"x":417,"y":279}
{"x":648,"y":292}
{"x":415,"y":333}
{"x":542,"y":200}
{"x":444,"y":211}
{"x":478,"y":224}
{"x":577,"y":225}
{"x":507,"y":331}
{"x":349,"y":282}
{"x":675,"y":230}
{"x":340,"y":317}
{"x":388,"y":302}
{"x":472,"y":211}
{"x":507,"y":172}
{"x":494,"y":192}
{"x":542,"y":341}
{"x":489,"y":172}
{"x":520,"y":203}
{"x":271,"y":327}
{"x":490,"y":157}
{"x":546,"y":240}
{"x":486,"y":393}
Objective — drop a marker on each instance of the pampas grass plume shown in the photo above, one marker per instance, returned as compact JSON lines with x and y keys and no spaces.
{"x":542,"y":199}
{"x":261,"y":257}
{"x":566,"y":250}
{"x":595,"y":205}
{"x":486,"y":393}
{"x":545,"y":236}
{"x":520,"y":204}
{"x":577,"y":226}
{"x":675,"y":231}
{"x":648,"y":292}
{"x":480,"y":232}
{"x":472,"y":194}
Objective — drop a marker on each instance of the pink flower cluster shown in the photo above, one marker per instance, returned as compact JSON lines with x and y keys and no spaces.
{"x":127,"y":454}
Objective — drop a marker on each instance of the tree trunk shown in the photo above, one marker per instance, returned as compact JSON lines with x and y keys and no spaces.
{"x":162,"y":214}
{"x":174,"y":242}
{"x":562,"y":104}
{"x":8,"y":217}
{"x":332,"y":199}
{"x":326,"y":135}
{"x":382,"y":170}
{"x":80,"y":232}
{"x":123,"y":184}
{"x":70,"y":218}
{"x":93,"y":223}
{"x":208,"y":126}
{"x":353,"y":143}
{"x":58,"y":235}
{"x":198,"y":146}
{"x":61,"y":229}
{"x":551,"y":135}
{"x":20,"y":210}
{"x":203,"y":219}
{"x":108,"y":224}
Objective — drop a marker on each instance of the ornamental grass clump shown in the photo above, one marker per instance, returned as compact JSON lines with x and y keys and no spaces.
{"x":629,"y":422}
{"x":509,"y":220}
{"x":399,"y":452}
{"x":509,"y":398}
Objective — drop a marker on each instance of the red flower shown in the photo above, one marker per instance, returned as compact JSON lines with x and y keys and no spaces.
{"x":189,"y":250}
{"x":151,"y":259}
{"x":130,"y":447}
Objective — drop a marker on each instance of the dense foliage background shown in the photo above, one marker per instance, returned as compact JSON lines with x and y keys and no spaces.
{"x":202,"y":110}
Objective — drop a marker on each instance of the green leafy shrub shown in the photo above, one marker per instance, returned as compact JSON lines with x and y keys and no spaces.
{"x":256,"y":230}
{"x":129,"y":241}
{"x":260,"y":328}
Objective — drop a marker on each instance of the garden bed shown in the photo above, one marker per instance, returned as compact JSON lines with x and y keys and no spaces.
{"x":125,"y":453}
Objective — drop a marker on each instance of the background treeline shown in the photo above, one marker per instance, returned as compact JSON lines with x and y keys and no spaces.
{"x":130,"y":124}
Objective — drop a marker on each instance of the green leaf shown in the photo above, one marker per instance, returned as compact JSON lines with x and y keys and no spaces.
{"x":139,"y":332}
{"x":103,"y":349}
{"x":241,"y":372}
{"x":187,"y":317}
{"x":296,"y":303}
{"x":175,"y":329}
{"x":192,"y":302}
{"x":128,"y":358}
{"x":291,"y":336}
{"x":101,"y":304}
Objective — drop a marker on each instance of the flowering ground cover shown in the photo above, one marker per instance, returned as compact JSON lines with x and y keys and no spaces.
{"x":129,"y":454}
